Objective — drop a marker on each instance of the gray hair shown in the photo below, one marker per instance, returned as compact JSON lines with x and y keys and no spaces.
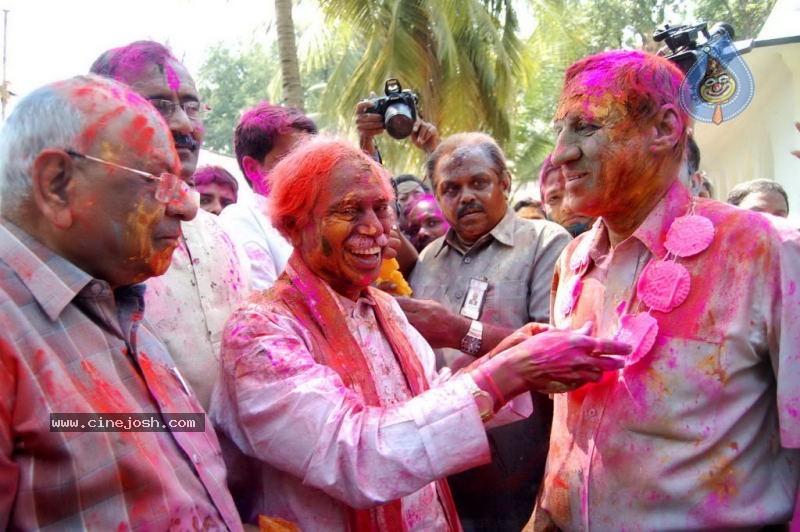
{"x":44,"y":119}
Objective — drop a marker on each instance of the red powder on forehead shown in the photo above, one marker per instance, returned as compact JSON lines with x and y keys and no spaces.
{"x":138,"y":135}
{"x":93,"y":130}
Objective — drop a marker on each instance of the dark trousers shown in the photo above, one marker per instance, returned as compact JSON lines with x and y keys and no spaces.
{"x":500,"y":496}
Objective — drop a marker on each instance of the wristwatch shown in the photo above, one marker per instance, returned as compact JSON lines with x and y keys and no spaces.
{"x":471,"y":343}
{"x":485,"y":404}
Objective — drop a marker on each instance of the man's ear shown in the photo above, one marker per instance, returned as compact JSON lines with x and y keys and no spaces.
{"x":252,"y":169}
{"x":51,"y":174}
{"x":294,"y":234}
{"x":666,"y":128}
{"x":505,"y":182}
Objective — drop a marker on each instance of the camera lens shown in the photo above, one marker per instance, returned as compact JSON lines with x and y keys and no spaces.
{"x":399,"y":120}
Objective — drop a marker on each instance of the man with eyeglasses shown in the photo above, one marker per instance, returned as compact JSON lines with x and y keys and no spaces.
{"x":91,"y":207}
{"x":189,"y":304}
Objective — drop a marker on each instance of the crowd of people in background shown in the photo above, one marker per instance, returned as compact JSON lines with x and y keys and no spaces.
{"x":623,"y":352}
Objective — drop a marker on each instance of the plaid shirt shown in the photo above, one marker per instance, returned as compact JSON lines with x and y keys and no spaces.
{"x":69,"y":344}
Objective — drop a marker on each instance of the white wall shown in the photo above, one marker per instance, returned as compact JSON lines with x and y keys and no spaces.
{"x":757,"y":143}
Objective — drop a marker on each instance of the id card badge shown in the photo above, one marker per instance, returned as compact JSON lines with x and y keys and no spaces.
{"x":473,"y":302}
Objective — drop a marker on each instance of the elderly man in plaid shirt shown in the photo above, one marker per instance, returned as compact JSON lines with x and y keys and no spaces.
{"x":91,"y":207}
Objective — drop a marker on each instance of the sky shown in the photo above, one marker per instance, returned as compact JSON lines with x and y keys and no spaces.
{"x":49,"y":40}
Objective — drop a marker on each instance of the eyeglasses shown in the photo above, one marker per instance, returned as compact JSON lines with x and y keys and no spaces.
{"x":194,"y":110}
{"x":168,"y":184}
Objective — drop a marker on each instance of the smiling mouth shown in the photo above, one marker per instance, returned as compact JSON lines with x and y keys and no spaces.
{"x":367,"y":257}
{"x":374,"y":250}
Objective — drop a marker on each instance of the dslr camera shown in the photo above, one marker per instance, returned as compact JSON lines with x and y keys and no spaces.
{"x":398,"y":108}
{"x":682,"y":42}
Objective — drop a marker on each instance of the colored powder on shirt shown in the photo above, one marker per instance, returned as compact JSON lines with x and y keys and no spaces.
{"x":104,"y":397}
{"x":155,"y":375}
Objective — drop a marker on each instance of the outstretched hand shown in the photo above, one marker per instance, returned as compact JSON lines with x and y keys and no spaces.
{"x":518,"y":336}
{"x":554,"y":362}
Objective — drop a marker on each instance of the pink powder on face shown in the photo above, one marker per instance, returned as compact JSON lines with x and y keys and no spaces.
{"x":173,"y":81}
{"x":634,"y":82}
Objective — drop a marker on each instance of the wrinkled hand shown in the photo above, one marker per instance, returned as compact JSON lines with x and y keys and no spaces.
{"x":425,"y":136}
{"x":433,"y":321}
{"x":555,"y":362}
{"x":518,"y":336}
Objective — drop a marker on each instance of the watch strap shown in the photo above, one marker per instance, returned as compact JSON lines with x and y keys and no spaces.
{"x":471,"y":342}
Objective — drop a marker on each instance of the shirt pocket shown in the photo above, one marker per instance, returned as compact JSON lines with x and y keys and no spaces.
{"x":435,"y":292}
{"x":507,"y":291}
{"x":506,"y":304}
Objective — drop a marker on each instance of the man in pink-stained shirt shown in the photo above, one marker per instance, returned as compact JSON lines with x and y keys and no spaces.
{"x":699,"y":430}
{"x":331,"y":391}
{"x":91,"y":207}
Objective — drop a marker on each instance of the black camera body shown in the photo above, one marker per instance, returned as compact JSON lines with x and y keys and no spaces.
{"x":398,"y":109}
{"x":682,"y":41}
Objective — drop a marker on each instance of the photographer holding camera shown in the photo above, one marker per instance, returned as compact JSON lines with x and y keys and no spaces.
{"x":396,"y":113}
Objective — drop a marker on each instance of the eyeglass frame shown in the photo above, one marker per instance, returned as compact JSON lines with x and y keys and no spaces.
{"x":168,"y":183}
{"x":199,"y":114}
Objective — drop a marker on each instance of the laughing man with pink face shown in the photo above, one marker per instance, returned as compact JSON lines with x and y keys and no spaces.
{"x":333,"y":396}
